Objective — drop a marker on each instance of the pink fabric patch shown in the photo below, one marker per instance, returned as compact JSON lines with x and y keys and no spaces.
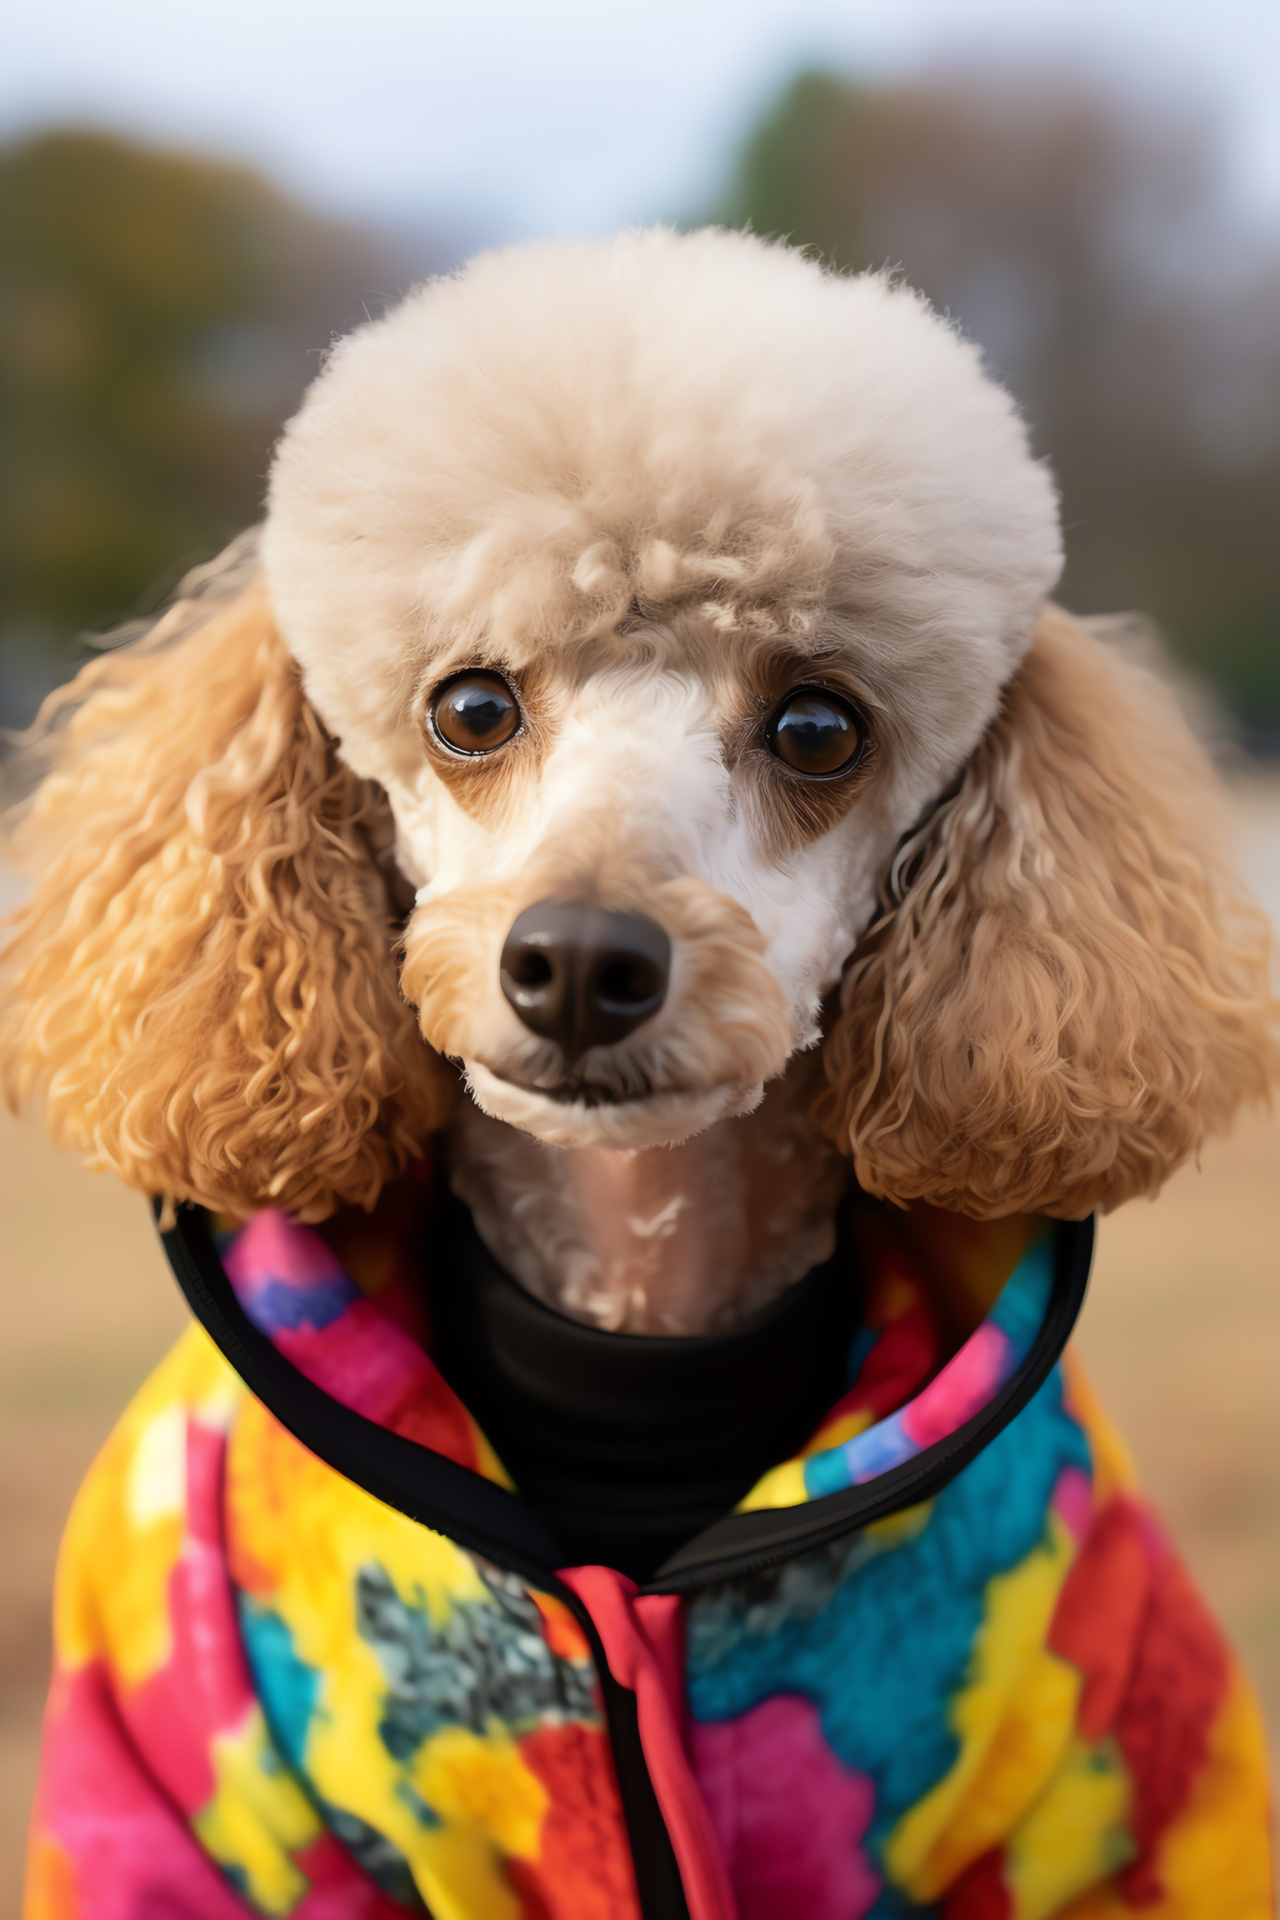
{"x":961,"y":1389}
{"x":790,"y":1815}
{"x":133,"y":1856}
{"x":364,"y":1360}
{"x":204,"y":1687}
{"x":1073,"y":1502}
{"x":132,"y":1853}
{"x":272,"y":1243}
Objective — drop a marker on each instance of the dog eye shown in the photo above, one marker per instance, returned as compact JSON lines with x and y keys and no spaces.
{"x":475,"y":712}
{"x":817,"y":733}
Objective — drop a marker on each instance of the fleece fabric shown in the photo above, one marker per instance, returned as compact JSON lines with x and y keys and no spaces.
{"x":276,"y":1694}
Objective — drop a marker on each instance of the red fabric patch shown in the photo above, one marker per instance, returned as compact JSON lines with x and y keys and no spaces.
{"x":1155,"y":1666}
{"x":905,"y":1352}
{"x":1100,"y":1610}
{"x":559,"y":1628}
{"x":906,"y":1349}
{"x":339,"y":1889}
{"x":1179,"y":1681}
{"x":980,"y":1893}
{"x":583,"y":1870}
{"x":438,"y":1421}
{"x":897,"y":1366}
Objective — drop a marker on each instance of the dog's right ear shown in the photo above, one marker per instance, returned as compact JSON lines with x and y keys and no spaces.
{"x":1065,"y":992}
{"x":203,"y":983}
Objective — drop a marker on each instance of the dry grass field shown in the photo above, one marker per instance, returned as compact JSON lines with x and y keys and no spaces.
{"x":1182,"y":1334}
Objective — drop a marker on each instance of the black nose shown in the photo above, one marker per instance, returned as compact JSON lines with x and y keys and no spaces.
{"x":583,"y":977}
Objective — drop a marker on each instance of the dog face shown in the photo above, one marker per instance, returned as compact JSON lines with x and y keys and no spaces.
{"x":672,"y":615}
{"x":741,"y":554}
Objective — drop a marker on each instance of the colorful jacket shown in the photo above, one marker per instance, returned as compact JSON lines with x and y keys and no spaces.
{"x":942,"y":1662}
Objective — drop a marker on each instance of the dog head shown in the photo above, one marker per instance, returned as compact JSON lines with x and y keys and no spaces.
{"x":732,"y":558}
{"x":668,"y":617}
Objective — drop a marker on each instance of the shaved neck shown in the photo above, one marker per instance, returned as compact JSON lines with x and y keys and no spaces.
{"x":659,"y":1240}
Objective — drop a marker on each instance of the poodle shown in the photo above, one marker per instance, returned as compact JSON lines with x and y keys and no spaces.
{"x":626,"y":939}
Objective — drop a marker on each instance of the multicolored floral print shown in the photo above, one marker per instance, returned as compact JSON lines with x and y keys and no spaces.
{"x":275,"y":1695}
{"x":1012,"y":1679}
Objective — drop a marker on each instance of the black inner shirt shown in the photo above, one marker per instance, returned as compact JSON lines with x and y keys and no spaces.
{"x":629,"y":1444}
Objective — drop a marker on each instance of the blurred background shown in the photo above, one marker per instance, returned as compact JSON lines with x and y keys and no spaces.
{"x":195,"y":200}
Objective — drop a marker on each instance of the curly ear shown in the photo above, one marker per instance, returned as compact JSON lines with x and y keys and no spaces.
{"x":203,"y":982}
{"x":1064,"y":991}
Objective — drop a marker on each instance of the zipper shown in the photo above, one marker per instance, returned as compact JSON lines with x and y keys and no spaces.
{"x":659,"y":1886}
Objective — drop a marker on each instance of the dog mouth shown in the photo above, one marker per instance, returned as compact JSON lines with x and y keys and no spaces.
{"x":573,"y":1091}
{"x":573,"y":1111}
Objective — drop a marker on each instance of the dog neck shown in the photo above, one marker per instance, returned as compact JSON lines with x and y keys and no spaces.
{"x":661,"y":1240}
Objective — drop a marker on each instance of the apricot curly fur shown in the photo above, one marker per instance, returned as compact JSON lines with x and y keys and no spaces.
{"x":1062,"y":994}
{"x":1064,"y":991}
{"x":202,"y":985}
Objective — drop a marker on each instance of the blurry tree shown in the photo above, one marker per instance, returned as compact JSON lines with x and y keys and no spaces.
{"x":1085,"y":240}
{"x":159,"y":316}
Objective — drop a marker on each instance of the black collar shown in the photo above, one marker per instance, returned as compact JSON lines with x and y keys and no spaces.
{"x":629,"y":1445}
{"x":488,"y":1520}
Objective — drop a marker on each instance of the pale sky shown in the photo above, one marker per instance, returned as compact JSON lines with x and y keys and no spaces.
{"x":507,"y":117}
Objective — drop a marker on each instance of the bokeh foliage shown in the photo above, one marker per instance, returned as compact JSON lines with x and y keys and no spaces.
{"x":1087,"y":242}
{"x":159,"y":317}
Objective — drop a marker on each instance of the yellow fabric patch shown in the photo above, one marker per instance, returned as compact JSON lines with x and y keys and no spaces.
{"x":837,"y":1432}
{"x":781,"y":1487}
{"x":897,"y":1528}
{"x":1214,"y":1862}
{"x":482,"y":1783}
{"x":1013,"y":1719}
{"x":307,"y":1535}
{"x":308,"y":1532}
{"x":784,"y":1486}
{"x":461,"y":1877}
{"x":125,"y":1533}
{"x":487,"y":1461}
{"x":258,"y":1816}
{"x":1074,"y":1836}
{"x":492,"y":1808}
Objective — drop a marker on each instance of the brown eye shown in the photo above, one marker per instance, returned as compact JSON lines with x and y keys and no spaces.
{"x":475,"y":712}
{"x":817,"y":733}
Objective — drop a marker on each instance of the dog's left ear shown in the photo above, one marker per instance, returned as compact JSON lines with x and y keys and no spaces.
{"x":202,"y":986}
{"x":1065,"y":991}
